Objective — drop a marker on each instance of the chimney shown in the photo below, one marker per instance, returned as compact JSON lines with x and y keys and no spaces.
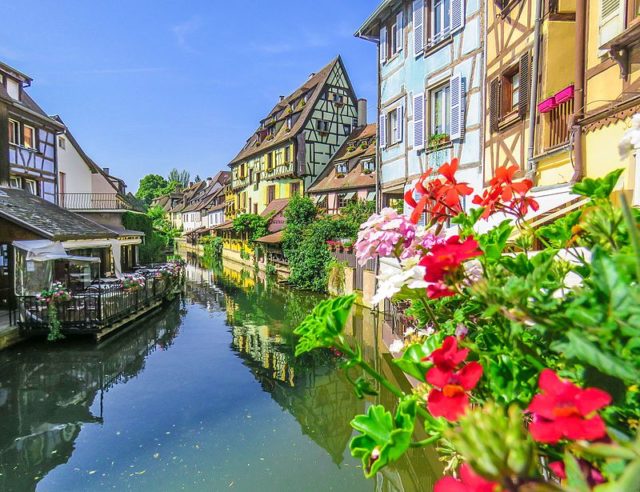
{"x":362,"y":113}
{"x":190,"y":184}
{"x":106,"y":170}
{"x":281,"y":98}
{"x":312,"y":75}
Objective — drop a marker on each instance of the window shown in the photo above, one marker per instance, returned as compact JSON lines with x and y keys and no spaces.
{"x":509,"y":94}
{"x":323,"y":126}
{"x":392,"y":37}
{"x":440,"y":123}
{"x":271,"y":193}
{"x":347,"y":129}
{"x":440,"y":20}
{"x":13,"y":88}
{"x":294,"y":189}
{"x":510,"y":91}
{"x":392,"y":126}
{"x":15,"y":182}
{"x":279,"y":155}
{"x":341,"y":168}
{"x":342,"y":200}
{"x":62,"y":143}
{"x":14,"y":132}
{"x":269,"y":161}
{"x":287,"y":151}
{"x":369,"y":166}
{"x":62,"y":182}
{"x":289,"y":123}
{"x":31,"y":186}
{"x":29,"y":137}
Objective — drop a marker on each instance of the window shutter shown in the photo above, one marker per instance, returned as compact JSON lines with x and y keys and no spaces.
{"x":383,"y":45}
{"x":494,"y":105}
{"x":400,"y":128}
{"x":382,"y":131}
{"x":399,"y":31}
{"x":457,"y":85}
{"x":457,"y":15}
{"x":525,"y":84}
{"x":418,"y":27}
{"x":418,"y":121}
{"x":612,"y":19}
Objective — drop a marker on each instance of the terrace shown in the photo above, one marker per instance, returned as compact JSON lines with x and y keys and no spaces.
{"x":94,"y":202}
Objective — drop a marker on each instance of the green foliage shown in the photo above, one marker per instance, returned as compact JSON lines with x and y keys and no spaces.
{"x":153,"y":186}
{"x":156,"y":242}
{"x":600,"y":187}
{"x":383,"y":438}
{"x":254,"y":226}
{"x":337,"y":276}
{"x":180,"y":177}
{"x":212,"y":247}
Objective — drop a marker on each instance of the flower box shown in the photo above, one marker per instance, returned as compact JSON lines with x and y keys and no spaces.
{"x":565,"y":95}
{"x":547,"y":105}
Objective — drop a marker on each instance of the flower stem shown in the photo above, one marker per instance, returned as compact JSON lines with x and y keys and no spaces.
{"x":426,"y":442}
{"x":431,"y":314}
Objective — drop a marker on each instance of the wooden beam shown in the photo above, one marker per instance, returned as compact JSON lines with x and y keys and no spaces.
{"x":4,"y":144}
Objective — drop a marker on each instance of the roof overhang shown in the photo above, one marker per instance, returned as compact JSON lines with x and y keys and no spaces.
{"x":364,"y":31}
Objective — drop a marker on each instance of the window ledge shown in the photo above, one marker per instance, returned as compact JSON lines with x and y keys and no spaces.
{"x":509,"y":120}
{"x":432,"y":48}
{"x":431,"y":150}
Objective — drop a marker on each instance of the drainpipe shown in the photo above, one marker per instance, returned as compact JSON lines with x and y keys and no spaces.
{"x":578,"y":102}
{"x":533,"y":99}
{"x":4,"y":145}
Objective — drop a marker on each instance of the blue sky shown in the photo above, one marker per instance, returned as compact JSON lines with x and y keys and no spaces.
{"x":148,"y":85}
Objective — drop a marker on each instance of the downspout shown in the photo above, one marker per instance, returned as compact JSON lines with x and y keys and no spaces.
{"x":578,"y":111}
{"x":483,"y":94}
{"x":532,"y":167}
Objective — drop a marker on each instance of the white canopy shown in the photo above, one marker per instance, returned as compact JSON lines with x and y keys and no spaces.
{"x":45,"y":250}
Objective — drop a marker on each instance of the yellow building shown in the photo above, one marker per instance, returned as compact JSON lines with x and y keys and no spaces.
{"x":612,"y":85}
{"x":295,"y":141}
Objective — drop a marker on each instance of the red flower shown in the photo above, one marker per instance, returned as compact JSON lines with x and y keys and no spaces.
{"x":448,"y":357}
{"x":562,"y":410}
{"x":469,"y":481}
{"x":592,"y":474}
{"x":506,"y":194}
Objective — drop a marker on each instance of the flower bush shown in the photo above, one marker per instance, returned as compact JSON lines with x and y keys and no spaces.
{"x":526,"y":341}
{"x":57,"y":294}
{"x":133,"y":282}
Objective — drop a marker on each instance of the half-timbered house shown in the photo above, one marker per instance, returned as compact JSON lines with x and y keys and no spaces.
{"x":430,"y":70}
{"x":296,"y":140}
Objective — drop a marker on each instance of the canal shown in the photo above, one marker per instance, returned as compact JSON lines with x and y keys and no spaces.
{"x":204,"y":395}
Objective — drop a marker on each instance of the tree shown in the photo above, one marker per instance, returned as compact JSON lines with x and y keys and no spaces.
{"x":181,"y":177}
{"x":151,"y":186}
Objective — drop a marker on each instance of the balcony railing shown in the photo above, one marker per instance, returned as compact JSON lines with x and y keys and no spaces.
{"x":93,"y":201}
{"x":559,"y":127}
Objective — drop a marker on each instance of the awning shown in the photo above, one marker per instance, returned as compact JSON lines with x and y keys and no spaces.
{"x":350,"y":195}
{"x":371,"y":196}
{"x":317,"y":198}
{"x":45,"y":250}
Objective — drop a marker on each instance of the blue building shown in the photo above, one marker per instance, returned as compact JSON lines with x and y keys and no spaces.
{"x":430,"y":89}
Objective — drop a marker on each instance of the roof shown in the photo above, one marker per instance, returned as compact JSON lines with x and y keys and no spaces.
{"x":274,"y":238}
{"x":315,"y":84}
{"x":46,"y":219}
{"x":371,"y":22}
{"x":360,"y":145}
{"x":275,"y":206}
{"x":225,"y":226}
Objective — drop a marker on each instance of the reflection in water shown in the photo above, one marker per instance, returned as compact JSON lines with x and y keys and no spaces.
{"x":205,"y":395}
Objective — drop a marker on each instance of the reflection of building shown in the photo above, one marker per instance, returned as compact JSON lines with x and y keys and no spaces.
{"x":46,"y":396}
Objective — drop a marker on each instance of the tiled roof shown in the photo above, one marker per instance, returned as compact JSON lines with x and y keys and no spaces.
{"x":314,"y":84}
{"x":46,"y":219}
{"x":275,"y":206}
{"x":352,"y":153}
{"x":274,"y":238}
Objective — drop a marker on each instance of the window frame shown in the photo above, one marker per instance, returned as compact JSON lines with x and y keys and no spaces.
{"x":445,"y":111}
{"x":17,"y":130}
{"x":62,"y":143}
{"x":507,"y":108}
{"x":444,"y":33}
{"x":341,"y":200}
{"x":18,"y":180}
{"x":392,"y":129}
{"x":271,"y":193}
{"x":294,"y":189}
{"x":33,"y":145}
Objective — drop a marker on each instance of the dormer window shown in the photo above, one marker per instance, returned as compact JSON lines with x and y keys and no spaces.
{"x":13,"y":88}
{"x":369,"y":166}
{"x":341,"y":168}
{"x":29,"y":137}
{"x":323,"y":126}
{"x":14,"y":133}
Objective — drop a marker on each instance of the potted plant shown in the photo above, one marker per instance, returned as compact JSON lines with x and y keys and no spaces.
{"x":351,"y":148}
{"x":364,"y":145}
{"x":57,"y":294}
{"x":132,"y":283}
{"x":348,"y":246}
{"x":438,"y":140}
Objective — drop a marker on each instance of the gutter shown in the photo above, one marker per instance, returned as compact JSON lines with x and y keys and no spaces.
{"x":576,"y":131}
{"x":360,"y":33}
{"x":532,"y":166}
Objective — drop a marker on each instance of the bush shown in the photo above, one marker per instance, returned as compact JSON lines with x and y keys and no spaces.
{"x":154,"y":247}
{"x":254,"y":226}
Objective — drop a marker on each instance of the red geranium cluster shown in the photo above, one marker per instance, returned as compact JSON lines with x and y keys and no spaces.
{"x":449,"y":398}
{"x":440,"y":197}
{"x":444,"y":260}
{"x":506,"y":195}
{"x":469,"y":481}
{"x":562,"y":410}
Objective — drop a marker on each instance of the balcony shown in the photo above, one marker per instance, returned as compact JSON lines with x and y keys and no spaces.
{"x":93,"y":201}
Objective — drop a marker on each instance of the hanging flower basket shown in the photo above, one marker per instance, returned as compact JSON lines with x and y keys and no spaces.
{"x":547,"y":105}
{"x":565,"y":95}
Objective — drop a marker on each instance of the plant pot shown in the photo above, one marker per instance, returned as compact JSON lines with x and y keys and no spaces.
{"x":565,"y":95}
{"x":547,"y":105}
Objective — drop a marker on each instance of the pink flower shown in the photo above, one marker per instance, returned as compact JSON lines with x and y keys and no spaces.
{"x":384,"y":235}
{"x":469,"y":481}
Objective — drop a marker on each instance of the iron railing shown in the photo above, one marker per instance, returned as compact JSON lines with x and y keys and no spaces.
{"x":559,"y":124}
{"x":93,"y":201}
{"x":102,"y":304}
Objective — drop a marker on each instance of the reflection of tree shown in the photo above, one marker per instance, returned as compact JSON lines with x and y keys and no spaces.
{"x":46,"y":394}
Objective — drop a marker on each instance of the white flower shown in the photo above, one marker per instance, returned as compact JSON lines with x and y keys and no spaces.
{"x":396,"y":346}
{"x":631,"y":139}
{"x":411,"y":275}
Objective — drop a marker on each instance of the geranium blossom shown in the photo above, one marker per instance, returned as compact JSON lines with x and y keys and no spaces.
{"x":384,"y":234}
{"x":449,"y":398}
{"x":469,"y":481}
{"x":590,"y":473}
{"x":563,"y":410}
{"x":411,"y":275}
{"x":505,"y":194}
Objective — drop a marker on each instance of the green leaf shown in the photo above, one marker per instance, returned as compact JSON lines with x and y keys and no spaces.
{"x":575,"y":478}
{"x":579,"y":347}
{"x":363,"y":387}
{"x":411,"y":361}
{"x":382,"y":438}
{"x":610,"y":281}
{"x":628,"y":482}
{"x":324,"y":324}
{"x":600,"y":187}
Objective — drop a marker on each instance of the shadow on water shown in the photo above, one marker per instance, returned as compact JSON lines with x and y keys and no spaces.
{"x":49,"y":393}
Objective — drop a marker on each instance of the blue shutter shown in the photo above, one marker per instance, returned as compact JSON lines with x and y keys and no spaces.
{"x":418,"y":27}
{"x":383,"y":45}
{"x":382,"y":131}
{"x":457,"y":86}
{"x":457,"y":15}
{"x":399,"y":31}
{"x":418,"y":121}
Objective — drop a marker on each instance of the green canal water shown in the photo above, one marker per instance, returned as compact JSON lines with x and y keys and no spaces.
{"x":205,"y":395}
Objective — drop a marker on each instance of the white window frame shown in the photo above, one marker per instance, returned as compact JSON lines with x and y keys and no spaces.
{"x":341,"y":168}
{"x":445,"y":110}
{"x":31,"y":186}
{"x":15,"y":182}
{"x":369,"y":165}
{"x":436,"y":37}
{"x":62,"y":143}
{"x":33,"y":137}
{"x":17,"y":132}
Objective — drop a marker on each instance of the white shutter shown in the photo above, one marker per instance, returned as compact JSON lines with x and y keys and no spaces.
{"x":400,"y":127}
{"x":457,"y":15}
{"x":383,"y":45}
{"x":612,"y":19}
{"x":418,"y":121}
{"x":418,"y":27}
{"x":399,"y":31}
{"x":457,"y":107}
{"x":382,"y":131}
